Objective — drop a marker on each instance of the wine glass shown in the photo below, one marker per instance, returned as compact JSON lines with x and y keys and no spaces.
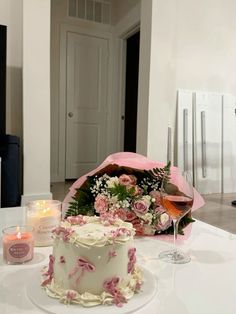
{"x":177,"y":199}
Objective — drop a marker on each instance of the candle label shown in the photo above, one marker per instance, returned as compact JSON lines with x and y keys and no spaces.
{"x":19,"y":250}
{"x":43,"y":228}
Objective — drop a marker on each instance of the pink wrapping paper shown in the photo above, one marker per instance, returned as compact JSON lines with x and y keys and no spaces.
{"x":135,"y":161}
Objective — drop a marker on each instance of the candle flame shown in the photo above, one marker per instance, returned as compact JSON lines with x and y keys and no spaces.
{"x":46,"y":210}
{"x":18,"y":235}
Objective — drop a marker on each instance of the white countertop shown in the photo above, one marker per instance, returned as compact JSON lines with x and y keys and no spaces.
{"x":206,"y":285}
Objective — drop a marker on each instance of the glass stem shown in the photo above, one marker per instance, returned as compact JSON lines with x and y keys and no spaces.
{"x":176,"y":226}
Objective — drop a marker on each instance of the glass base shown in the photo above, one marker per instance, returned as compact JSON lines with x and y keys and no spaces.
{"x":174,"y":257}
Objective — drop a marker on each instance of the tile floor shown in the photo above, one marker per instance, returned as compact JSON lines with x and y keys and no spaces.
{"x":217,"y":211}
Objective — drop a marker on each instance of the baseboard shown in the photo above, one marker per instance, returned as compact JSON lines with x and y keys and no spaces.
{"x":27,"y":198}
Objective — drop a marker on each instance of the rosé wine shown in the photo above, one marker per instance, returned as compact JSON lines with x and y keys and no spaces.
{"x":176,"y":206}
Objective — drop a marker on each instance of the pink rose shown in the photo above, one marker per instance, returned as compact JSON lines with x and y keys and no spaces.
{"x":138,"y":226}
{"x":157,"y":196}
{"x":130,"y":216}
{"x":125,"y":179}
{"x":141,"y":206}
{"x":101,"y":203}
{"x":121,"y":213}
{"x":159,"y":210}
{"x":137,"y":190}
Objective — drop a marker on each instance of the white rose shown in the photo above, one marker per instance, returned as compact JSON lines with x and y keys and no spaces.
{"x":148,"y":230}
{"x":147,"y":218}
{"x":112,"y":182}
{"x":147,"y":199}
{"x":164,"y":218}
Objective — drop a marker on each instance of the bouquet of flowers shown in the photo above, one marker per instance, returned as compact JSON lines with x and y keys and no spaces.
{"x":129,"y":193}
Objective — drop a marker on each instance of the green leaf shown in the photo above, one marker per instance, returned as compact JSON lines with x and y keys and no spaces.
{"x":82,"y":203}
{"x":121,"y":192}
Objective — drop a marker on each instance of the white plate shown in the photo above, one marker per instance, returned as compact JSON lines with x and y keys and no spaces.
{"x":40,"y":299}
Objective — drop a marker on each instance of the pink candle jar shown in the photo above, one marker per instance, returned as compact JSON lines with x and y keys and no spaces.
{"x":18,"y":244}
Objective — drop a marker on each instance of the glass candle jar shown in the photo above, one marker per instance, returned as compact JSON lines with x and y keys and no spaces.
{"x":43,"y":216}
{"x":18,"y":244}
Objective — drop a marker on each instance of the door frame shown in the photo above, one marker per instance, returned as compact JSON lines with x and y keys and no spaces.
{"x":124,"y":68}
{"x":64,"y":29}
{"x":125,"y":29}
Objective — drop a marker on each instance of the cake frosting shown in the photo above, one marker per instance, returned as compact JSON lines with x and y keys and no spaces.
{"x":93,"y":262}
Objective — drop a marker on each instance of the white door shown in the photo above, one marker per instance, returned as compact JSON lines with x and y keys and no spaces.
{"x":229,"y":144}
{"x":208,"y":143}
{"x":86,"y":121}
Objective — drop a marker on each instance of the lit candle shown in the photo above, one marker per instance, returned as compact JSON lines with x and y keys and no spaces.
{"x":43,"y":216}
{"x":18,"y":244}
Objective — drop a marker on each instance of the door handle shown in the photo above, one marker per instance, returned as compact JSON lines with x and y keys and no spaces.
{"x":70,"y":114}
{"x":203,"y":131}
{"x":185,"y":138}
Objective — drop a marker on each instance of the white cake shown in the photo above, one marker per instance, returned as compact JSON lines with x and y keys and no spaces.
{"x":93,"y":262}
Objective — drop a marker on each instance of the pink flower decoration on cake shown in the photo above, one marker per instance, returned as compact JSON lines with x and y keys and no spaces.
{"x":110,"y":286}
{"x":119,"y":299}
{"x":132,"y":259}
{"x":50,"y":271}
{"x":123,"y":231}
{"x":101,"y":203}
{"x":119,"y":232}
{"x":65,"y":233}
{"x":70,"y":295}
{"x":138,"y":286}
{"x":62,"y":259}
{"x":76,"y":220}
{"x":82,"y":265}
{"x":85,"y":265}
{"x":107,"y":218}
{"x":111,"y":254}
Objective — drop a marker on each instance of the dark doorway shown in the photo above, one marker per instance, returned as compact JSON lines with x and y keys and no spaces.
{"x":131,"y":92}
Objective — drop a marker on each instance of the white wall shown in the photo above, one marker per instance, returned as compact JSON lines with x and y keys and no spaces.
{"x":192,"y":47}
{"x":120,"y":8}
{"x":11,"y":15}
{"x":157,"y":77}
{"x":144,"y":76}
{"x":36,"y":99}
{"x":58,"y":13}
{"x":206,"y":33}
